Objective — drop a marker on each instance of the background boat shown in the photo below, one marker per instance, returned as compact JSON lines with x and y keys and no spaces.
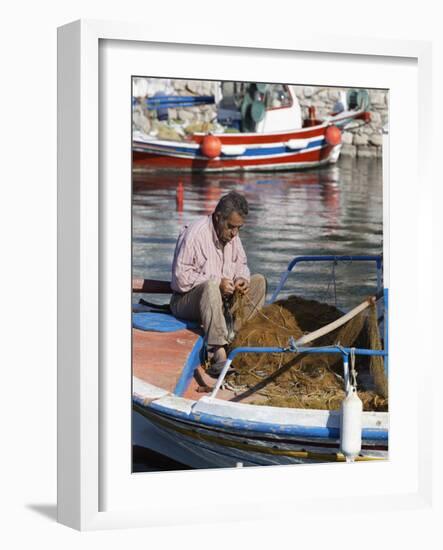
{"x":260,"y":129}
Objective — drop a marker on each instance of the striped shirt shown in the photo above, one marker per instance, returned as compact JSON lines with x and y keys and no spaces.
{"x":200,"y":256}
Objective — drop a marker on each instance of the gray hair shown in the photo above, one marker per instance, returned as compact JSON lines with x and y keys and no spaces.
{"x":232,"y":202}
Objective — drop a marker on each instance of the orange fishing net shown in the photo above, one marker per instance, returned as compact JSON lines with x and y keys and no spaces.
{"x":312,"y":381}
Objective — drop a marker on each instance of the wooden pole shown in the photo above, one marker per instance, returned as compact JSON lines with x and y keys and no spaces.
{"x":151,"y":286}
{"x":335,"y":324}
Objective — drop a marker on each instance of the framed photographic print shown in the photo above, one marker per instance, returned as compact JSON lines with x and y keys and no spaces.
{"x":248,"y":181}
{"x":235,"y":276}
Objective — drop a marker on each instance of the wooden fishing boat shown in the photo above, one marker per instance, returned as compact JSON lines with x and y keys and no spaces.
{"x":182,"y":413}
{"x":262,"y":129}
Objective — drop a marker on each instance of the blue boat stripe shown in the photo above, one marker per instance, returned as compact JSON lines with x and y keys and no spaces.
{"x":263,"y":427}
{"x":249,"y":152}
{"x":259,"y":151}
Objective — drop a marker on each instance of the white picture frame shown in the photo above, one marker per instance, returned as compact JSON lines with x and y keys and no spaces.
{"x":95,"y":487}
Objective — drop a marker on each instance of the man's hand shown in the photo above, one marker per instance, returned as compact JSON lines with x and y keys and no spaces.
{"x":226,"y":287}
{"x":242,"y":286}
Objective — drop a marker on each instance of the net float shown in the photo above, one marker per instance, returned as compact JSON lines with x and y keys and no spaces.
{"x":211,"y":146}
{"x":333,"y":135}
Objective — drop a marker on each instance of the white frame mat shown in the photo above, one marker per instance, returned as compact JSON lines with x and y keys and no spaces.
{"x":96,"y":489}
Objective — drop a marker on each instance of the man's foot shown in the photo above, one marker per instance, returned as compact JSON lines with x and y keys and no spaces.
{"x":217,"y":360}
{"x":215,"y":369}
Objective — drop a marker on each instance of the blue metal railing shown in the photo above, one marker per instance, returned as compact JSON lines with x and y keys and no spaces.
{"x":292,"y":348}
{"x":357,"y":258}
{"x":385,"y":328}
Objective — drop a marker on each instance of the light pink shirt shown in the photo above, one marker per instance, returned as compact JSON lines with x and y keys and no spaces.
{"x":199,"y":256}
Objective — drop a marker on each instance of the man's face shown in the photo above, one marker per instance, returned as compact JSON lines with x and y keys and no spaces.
{"x":228,"y":228}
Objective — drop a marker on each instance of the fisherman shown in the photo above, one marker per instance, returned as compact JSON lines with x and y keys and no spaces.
{"x":210,"y":270}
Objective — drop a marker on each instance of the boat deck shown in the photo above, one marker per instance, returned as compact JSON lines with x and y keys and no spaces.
{"x":159,"y":358}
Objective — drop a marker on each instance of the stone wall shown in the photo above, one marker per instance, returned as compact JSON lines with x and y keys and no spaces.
{"x":181,"y":120}
{"x":364,"y":141}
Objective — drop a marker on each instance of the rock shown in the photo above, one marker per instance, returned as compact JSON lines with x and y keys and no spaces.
{"x":208,"y":115}
{"x":158,"y":85}
{"x":179,"y":85}
{"x":378,"y":99}
{"x":349,"y":151}
{"x":200,"y":127}
{"x":365,"y":130}
{"x":375,"y":118}
{"x":376,"y":139}
{"x":334,"y":94}
{"x":360,"y":140}
{"x":185,"y":115}
{"x":140,"y":121}
{"x":208,"y":88}
{"x":172,"y":113}
{"x":347,"y":138}
{"x":366,"y":152}
{"x":208,"y":111}
{"x":199,"y":87}
{"x":166,"y":132}
{"x":139,"y":87}
{"x":299,"y":94}
{"x":193,"y":86}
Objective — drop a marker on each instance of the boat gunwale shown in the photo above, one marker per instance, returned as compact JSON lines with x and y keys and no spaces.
{"x":236,"y":136}
{"x":184,"y":410}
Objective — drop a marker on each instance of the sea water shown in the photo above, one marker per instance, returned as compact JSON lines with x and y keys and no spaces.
{"x":336,"y":210}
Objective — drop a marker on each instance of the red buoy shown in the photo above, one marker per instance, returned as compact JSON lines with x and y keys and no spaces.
{"x":211,"y":146}
{"x":333,"y":135}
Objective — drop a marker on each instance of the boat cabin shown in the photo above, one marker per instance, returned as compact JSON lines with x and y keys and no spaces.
{"x":260,"y":108}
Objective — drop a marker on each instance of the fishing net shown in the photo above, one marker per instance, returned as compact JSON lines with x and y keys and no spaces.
{"x":312,"y":381}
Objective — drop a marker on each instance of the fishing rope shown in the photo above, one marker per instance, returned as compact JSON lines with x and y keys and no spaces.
{"x":335,"y":283}
{"x":333,"y":279}
{"x":353,"y":371}
{"x":262,"y":314}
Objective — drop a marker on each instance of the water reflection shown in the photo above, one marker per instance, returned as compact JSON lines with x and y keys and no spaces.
{"x":334,"y":210}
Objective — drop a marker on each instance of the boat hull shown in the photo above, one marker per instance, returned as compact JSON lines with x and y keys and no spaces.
{"x":294,"y":150}
{"x":200,"y":435}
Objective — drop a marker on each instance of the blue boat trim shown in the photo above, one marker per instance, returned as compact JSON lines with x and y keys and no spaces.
{"x":193,"y":361}
{"x":210,"y":420}
{"x":325,"y":444}
{"x":386,"y":332}
{"x":152,"y":321}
